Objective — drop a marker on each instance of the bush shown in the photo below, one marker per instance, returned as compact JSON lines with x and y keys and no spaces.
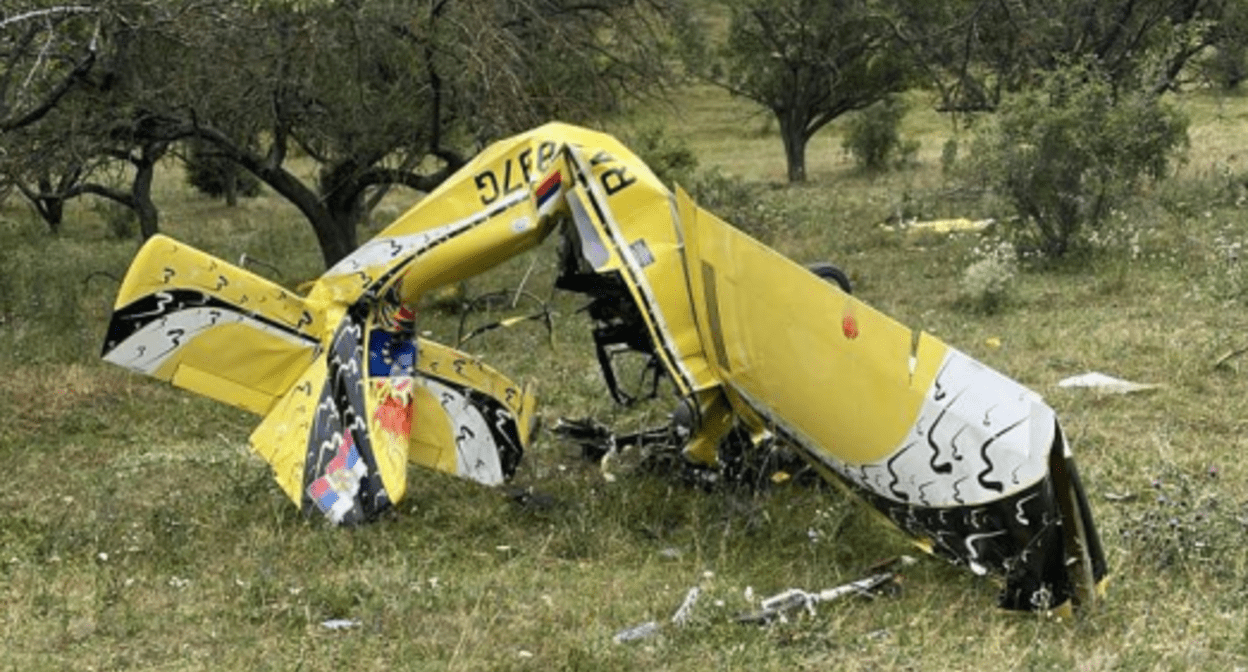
{"x":873,"y":137}
{"x":737,"y":202}
{"x":214,"y":175}
{"x":120,"y":220}
{"x":988,"y":283}
{"x":672,"y":161}
{"x":1064,"y":154}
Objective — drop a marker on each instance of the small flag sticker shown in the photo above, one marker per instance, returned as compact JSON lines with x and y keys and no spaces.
{"x":334,"y":493}
{"x":549,"y":188}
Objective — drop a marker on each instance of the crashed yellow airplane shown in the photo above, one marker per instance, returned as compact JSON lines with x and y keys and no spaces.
{"x":970,"y":463}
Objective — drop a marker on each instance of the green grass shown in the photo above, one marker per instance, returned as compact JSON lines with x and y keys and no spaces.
{"x":140,"y":534}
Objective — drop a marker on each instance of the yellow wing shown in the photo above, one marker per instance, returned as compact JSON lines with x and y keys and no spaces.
{"x":205,"y":325}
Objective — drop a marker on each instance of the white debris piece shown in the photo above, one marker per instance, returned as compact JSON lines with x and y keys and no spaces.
{"x":686,"y":607}
{"x":1101,"y":382}
{"x":637,"y":632}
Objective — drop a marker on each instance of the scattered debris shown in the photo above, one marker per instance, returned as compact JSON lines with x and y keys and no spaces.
{"x":957,"y":225}
{"x":340,"y":624}
{"x":650,"y":628}
{"x":1101,"y":382}
{"x":637,"y":632}
{"x":780,"y":605}
{"x":505,"y":300}
{"x":682,"y":614}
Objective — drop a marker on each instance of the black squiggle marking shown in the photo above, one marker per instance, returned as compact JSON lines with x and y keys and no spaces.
{"x":169,"y":273}
{"x":923,"y":496}
{"x":1014,"y":474}
{"x":957,"y":494}
{"x":222,"y":283}
{"x":987,"y":422}
{"x":995,"y":486}
{"x":953,"y":443}
{"x":946,"y":467}
{"x":892,"y":487}
{"x":939,"y":392}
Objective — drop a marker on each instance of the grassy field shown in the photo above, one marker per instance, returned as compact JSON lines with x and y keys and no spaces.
{"x":140,"y":533}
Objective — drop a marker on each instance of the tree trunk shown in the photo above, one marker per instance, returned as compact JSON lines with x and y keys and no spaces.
{"x":344,"y":205}
{"x":51,"y":208}
{"x":794,"y":136}
{"x":53,"y":211}
{"x":337,"y":238}
{"x":47,"y":202}
{"x":141,"y":190}
{"x":231,"y":186}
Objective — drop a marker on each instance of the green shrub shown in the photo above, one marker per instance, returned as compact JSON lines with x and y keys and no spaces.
{"x":873,"y":137}
{"x":121,"y":221}
{"x":214,"y":175}
{"x":988,"y":283}
{"x":737,"y":202}
{"x":1064,"y":154}
{"x":672,"y":161}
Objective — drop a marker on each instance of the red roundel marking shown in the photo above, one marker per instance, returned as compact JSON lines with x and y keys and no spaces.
{"x":850,"y":326}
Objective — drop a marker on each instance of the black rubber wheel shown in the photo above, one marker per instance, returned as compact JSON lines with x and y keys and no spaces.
{"x":832,"y":274}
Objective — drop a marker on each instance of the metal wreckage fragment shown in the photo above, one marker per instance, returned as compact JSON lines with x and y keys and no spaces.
{"x":971,"y":464}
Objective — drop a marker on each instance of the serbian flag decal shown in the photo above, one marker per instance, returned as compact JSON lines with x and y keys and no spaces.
{"x":549,"y":188}
{"x":334,"y":493}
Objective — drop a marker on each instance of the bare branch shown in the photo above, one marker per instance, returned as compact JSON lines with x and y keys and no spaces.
{"x":50,"y":11}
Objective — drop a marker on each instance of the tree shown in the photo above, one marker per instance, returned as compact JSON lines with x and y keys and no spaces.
{"x":974,"y":51}
{"x":1227,"y":64}
{"x":376,"y":92}
{"x":45,"y":50}
{"x":62,"y":158}
{"x":54,"y":145}
{"x":808,"y":62}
